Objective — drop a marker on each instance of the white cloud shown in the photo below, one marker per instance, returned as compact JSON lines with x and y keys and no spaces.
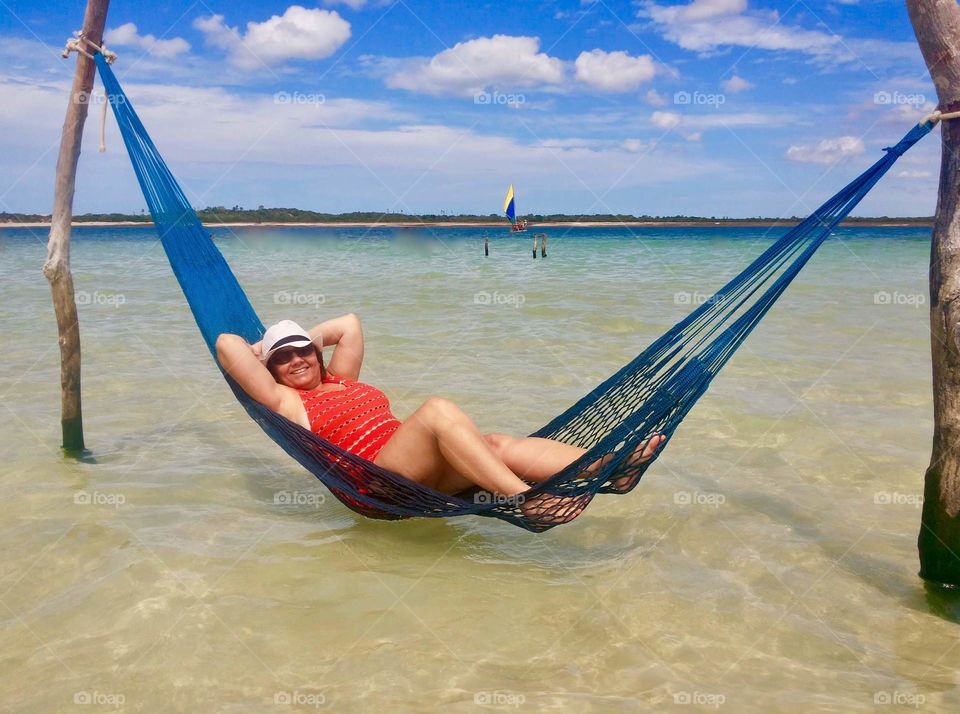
{"x":736,"y":84}
{"x":654,"y":98}
{"x":635,"y":145}
{"x":903,"y":115}
{"x":714,"y":119}
{"x":707,"y":9}
{"x":569,"y":143}
{"x":914,"y":174}
{"x":613,"y":71}
{"x":703,"y":26}
{"x":297,"y":34}
{"x":828,"y":151}
{"x":665,"y":120}
{"x":470,"y":67}
{"x":352,"y":4}
{"x":885,"y":54}
{"x":127,"y":36}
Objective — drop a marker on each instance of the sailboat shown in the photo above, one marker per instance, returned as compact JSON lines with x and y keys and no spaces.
{"x":517,"y":225}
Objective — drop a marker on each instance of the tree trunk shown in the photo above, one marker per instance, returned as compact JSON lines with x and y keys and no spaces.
{"x":57,"y":266}
{"x":937,"y":26}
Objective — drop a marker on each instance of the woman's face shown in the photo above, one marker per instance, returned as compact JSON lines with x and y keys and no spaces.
{"x":296,"y":367}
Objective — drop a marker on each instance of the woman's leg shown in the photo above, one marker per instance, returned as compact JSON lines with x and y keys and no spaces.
{"x":537,"y":459}
{"x":533,"y":458}
{"x":440,"y":447}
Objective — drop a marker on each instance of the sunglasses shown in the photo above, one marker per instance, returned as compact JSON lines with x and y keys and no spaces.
{"x":284,"y":356}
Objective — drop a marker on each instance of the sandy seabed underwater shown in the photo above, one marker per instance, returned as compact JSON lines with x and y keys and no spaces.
{"x":767,"y":562}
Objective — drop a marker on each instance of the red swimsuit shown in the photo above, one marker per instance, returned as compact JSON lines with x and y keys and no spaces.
{"x":356,"y":418}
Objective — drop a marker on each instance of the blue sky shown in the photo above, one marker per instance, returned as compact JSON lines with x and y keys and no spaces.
{"x":704,"y":107}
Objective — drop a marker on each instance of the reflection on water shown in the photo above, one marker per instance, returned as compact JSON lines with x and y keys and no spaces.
{"x":767,"y":563}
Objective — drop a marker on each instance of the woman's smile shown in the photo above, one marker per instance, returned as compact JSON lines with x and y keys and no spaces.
{"x":300,"y":372}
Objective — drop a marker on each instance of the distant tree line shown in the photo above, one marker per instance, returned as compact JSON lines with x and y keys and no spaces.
{"x":238,"y":214}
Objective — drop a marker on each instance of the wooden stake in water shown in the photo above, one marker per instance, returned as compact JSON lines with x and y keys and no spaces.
{"x":937,"y":27}
{"x":57,"y":266}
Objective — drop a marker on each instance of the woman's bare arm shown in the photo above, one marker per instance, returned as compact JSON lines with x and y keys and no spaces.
{"x":238,"y":358}
{"x":344,"y":332}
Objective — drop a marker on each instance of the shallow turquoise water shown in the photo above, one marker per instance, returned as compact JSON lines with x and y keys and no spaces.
{"x":767,"y":563}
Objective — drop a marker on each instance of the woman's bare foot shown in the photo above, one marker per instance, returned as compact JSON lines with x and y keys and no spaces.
{"x":554,"y":509}
{"x":643,"y":453}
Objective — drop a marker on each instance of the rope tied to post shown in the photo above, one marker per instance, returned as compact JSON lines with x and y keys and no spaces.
{"x":75,"y":44}
{"x":939,"y":116}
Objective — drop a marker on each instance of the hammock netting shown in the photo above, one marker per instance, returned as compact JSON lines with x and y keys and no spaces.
{"x":651,"y":395}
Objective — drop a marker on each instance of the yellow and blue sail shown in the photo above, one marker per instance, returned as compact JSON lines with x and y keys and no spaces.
{"x":509,"y":207}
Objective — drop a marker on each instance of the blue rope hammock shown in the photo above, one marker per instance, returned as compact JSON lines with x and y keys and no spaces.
{"x":650,"y":395}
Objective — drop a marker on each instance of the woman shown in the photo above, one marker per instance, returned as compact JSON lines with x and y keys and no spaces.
{"x":438,"y":445}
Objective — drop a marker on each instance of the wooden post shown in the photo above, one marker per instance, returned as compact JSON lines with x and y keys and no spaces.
{"x":57,"y":266}
{"x":936,"y":24}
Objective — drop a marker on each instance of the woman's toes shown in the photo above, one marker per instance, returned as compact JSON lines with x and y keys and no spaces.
{"x":651,"y":448}
{"x":643,"y":453}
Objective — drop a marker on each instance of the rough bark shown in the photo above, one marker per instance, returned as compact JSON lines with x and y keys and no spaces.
{"x":937,"y":27}
{"x":57,"y":266}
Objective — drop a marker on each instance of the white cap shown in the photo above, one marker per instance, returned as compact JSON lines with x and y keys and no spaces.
{"x":285,"y":333}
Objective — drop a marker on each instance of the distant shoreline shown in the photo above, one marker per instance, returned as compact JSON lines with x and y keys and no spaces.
{"x":771,"y":223}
